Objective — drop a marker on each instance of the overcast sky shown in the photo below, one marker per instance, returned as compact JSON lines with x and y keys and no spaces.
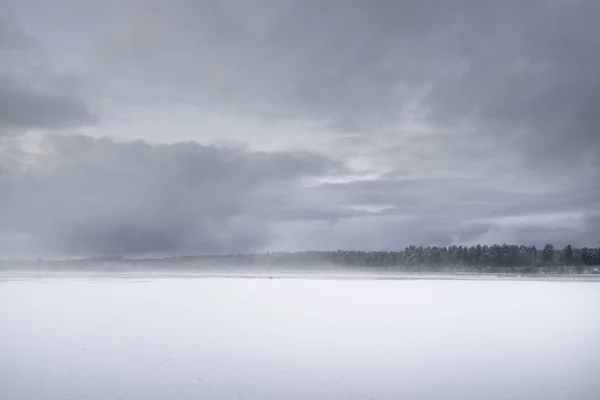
{"x":196,"y":126}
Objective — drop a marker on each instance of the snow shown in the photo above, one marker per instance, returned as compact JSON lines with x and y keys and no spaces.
{"x":172,"y":337}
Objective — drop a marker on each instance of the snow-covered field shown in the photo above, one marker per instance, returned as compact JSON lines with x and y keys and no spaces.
{"x":172,"y":337}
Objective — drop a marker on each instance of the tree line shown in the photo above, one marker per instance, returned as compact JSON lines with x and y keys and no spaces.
{"x":479,"y":258}
{"x":497,"y":258}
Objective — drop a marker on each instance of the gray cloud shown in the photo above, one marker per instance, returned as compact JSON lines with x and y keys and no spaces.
{"x":530,"y":78}
{"x":525,"y":67}
{"x":455,"y":211}
{"x":95,"y":196}
{"x":474,"y":118}
{"x":12,"y":37}
{"x":23,"y":108}
{"x":521,"y":73}
{"x":29,"y":96}
{"x":80,"y":195}
{"x":524,"y":62}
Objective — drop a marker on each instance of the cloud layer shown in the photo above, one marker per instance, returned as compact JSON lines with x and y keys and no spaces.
{"x":31,"y":96}
{"x":399,"y":122}
{"x":90,"y":196}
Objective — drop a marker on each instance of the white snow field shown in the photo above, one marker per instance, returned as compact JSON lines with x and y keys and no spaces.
{"x":174,"y":338}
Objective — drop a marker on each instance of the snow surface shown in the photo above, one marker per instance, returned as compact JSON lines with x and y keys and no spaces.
{"x":171,"y":337}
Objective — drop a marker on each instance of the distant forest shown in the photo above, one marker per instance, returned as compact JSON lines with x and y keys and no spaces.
{"x":497,"y":258}
{"x":494,"y":258}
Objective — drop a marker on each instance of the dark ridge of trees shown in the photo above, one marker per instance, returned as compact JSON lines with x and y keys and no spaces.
{"x":496,"y":258}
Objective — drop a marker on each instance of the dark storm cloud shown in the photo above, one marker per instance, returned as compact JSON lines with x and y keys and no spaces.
{"x":96,"y":196}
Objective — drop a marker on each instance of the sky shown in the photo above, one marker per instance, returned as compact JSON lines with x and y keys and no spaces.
{"x":232,"y":126}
